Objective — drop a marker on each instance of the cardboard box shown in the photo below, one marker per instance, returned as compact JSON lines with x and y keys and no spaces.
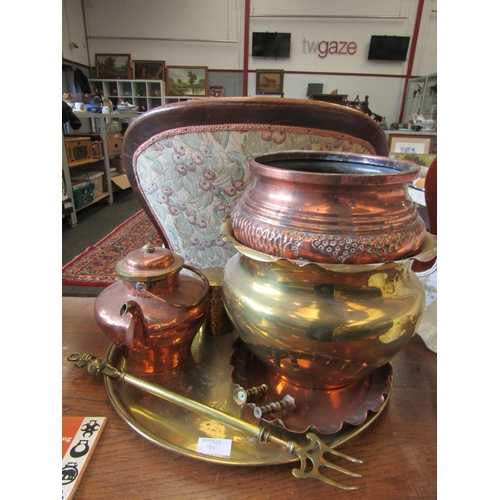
{"x":121,"y":181}
{"x":114,"y":142}
{"x":119,"y":178}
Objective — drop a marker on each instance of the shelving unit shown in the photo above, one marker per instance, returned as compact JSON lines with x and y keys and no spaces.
{"x":421,"y":98}
{"x":68,"y":204}
{"x":99,"y":121}
{"x":145,"y":94}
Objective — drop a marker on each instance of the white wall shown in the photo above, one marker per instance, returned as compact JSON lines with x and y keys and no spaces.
{"x":385,"y":92}
{"x":146,"y":30}
{"x":73,"y":30}
{"x":218,"y":20}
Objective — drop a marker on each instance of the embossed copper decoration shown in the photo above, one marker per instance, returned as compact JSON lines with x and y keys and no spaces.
{"x":320,"y":328}
{"x":329,"y":207}
{"x":154,"y":311}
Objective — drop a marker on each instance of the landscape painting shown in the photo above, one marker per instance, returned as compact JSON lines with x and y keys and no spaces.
{"x":113,"y":66}
{"x":187,"y":81}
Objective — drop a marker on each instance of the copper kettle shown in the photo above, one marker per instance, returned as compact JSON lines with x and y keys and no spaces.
{"x":154,"y":311}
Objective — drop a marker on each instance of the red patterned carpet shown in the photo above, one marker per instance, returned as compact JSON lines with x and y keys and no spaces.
{"x":96,"y":266}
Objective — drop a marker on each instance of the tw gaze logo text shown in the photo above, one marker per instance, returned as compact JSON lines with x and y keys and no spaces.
{"x":325,"y":48}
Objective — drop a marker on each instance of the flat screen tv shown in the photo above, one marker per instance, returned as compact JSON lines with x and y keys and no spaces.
{"x":388,"y":48}
{"x":314,"y":88}
{"x":267,"y":44}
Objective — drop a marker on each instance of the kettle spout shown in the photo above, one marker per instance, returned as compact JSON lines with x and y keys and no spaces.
{"x":136,"y":334}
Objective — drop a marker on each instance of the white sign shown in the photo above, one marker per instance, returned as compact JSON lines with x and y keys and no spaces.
{"x":211,"y":446}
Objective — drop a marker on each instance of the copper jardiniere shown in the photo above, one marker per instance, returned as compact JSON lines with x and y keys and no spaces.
{"x":329,"y":207}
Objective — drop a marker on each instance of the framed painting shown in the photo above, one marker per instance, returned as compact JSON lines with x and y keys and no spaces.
{"x":217,"y":91}
{"x":269,"y":81}
{"x":187,"y":81}
{"x":410,"y":144}
{"x":113,"y":66}
{"x":149,"y":70}
{"x":420,"y":159}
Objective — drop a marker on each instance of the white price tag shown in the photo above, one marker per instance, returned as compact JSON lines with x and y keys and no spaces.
{"x":211,"y":446}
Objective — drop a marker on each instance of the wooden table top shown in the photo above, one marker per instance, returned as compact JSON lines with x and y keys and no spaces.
{"x":398,"y":450}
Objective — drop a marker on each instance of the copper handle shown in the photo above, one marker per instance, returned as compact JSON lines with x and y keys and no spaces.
{"x":195,"y":303}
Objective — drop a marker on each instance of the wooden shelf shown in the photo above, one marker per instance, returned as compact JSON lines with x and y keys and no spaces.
{"x":98,"y":125}
{"x":85,"y":162}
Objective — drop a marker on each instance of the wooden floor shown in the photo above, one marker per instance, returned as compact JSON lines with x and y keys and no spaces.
{"x":398,"y":450}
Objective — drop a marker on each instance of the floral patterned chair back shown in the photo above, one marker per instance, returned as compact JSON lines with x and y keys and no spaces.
{"x":187,"y":162}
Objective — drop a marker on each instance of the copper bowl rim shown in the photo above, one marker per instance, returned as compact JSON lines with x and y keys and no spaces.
{"x":369,"y":169}
{"x":427,"y":252}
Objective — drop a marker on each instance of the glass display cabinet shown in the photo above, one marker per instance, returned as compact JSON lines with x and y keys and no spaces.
{"x":421,"y":98}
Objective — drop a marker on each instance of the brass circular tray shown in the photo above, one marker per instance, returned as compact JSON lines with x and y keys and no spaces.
{"x":206,"y":377}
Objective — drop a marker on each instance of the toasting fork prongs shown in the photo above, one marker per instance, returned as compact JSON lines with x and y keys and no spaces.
{"x":313,"y":452}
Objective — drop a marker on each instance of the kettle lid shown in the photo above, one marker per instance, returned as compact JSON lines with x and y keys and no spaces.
{"x":149,"y":263}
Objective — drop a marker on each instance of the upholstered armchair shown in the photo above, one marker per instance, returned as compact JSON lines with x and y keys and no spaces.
{"x":187,"y":162}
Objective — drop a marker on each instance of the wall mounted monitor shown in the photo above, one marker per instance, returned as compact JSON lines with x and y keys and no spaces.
{"x":388,"y":48}
{"x":314,"y":88}
{"x":267,"y":44}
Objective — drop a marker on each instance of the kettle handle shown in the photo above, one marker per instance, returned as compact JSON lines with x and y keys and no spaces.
{"x":195,"y":303}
